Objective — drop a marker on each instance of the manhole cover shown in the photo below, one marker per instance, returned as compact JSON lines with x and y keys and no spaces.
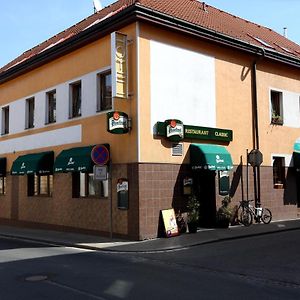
{"x":35,"y":278}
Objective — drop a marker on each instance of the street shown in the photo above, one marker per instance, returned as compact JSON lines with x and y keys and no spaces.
{"x":265,"y":267}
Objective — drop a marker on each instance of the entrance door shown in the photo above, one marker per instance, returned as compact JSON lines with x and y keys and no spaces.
{"x":205,"y":189}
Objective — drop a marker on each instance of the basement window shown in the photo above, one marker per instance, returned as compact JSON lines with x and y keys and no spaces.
{"x":278,"y":172}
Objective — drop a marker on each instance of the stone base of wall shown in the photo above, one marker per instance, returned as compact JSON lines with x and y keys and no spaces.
{"x":152,"y":188}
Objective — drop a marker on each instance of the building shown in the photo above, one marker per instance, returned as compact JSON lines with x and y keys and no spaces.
{"x":167,"y":97}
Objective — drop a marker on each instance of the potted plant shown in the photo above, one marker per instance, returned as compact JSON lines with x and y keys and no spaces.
{"x":193,"y":213}
{"x":276,"y":119}
{"x":224,"y":213}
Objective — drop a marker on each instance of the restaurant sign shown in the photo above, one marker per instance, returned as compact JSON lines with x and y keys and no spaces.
{"x":193,"y":132}
{"x":117,"y":122}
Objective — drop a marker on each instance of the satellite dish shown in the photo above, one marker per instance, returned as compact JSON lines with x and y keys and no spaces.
{"x":97,"y":5}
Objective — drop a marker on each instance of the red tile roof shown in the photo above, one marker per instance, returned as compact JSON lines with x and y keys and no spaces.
{"x":191,"y":11}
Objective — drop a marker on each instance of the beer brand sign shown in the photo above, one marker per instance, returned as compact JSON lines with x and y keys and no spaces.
{"x":117,"y":122}
{"x":174,"y":130}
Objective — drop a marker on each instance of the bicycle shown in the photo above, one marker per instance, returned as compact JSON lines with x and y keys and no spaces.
{"x":250,"y":212}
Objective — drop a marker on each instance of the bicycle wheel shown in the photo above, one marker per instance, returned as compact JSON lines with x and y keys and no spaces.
{"x":266,"y":216}
{"x":246,"y":217}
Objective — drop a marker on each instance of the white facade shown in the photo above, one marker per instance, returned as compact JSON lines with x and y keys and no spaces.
{"x":182,"y":81}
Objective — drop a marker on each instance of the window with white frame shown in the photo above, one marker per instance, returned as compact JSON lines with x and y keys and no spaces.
{"x":104,"y":91}
{"x":39,"y":185}
{"x":29,"y":110}
{"x":84,"y":185}
{"x":75,"y":99}
{"x":5,"y":120}
{"x":51,"y":107}
{"x":278,"y":172}
{"x":276,"y":108}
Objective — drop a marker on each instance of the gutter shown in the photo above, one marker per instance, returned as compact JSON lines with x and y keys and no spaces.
{"x":127,"y":16}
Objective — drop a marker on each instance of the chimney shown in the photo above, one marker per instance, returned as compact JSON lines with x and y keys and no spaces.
{"x":285,"y":32}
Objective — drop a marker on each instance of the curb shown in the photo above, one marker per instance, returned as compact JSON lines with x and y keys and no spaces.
{"x":118,"y":248}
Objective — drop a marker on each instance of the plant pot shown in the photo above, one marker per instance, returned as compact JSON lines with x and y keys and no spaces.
{"x":192,"y":227}
{"x":223,"y":222}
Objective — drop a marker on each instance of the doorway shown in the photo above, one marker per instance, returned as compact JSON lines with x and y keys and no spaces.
{"x":205,"y":190}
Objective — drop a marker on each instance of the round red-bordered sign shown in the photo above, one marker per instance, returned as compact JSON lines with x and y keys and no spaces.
{"x":173,"y":123}
{"x":100,"y":155}
{"x":116,"y":115}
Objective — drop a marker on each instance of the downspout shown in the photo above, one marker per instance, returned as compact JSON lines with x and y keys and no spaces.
{"x":255,"y":128}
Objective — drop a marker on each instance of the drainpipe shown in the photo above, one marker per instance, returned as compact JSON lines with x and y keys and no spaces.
{"x":255,"y":128}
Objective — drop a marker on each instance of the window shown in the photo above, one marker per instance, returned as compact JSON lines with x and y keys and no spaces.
{"x":29,"y":113}
{"x":276,"y":108}
{"x":40,"y":185}
{"x":104,"y":100}
{"x":5,"y":120}
{"x":2,"y":185}
{"x":84,"y":185}
{"x":75,"y":100}
{"x":278,"y":172}
{"x":51,"y":107}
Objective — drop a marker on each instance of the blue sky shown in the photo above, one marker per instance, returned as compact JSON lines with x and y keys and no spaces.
{"x":26,"y":23}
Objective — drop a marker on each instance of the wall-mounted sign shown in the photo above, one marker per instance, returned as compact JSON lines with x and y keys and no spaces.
{"x":100,"y":173}
{"x":224,"y":184}
{"x":187,"y":185}
{"x":174,"y":130}
{"x":198,"y":133}
{"x":100,"y":155}
{"x":119,"y":62}
{"x":117,"y":122}
{"x":122,"y":192}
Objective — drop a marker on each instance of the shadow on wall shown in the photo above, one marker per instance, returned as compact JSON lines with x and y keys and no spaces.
{"x":290,"y":191}
{"x":237,"y":175}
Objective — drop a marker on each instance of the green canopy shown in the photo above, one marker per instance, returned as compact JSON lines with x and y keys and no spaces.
{"x":74,"y":160}
{"x":296,"y":160}
{"x":210,"y":157}
{"x":3,"y":166}
{"x":39,"y":163}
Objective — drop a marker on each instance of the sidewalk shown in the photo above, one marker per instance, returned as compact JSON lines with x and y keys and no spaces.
{"x":203,"y":236}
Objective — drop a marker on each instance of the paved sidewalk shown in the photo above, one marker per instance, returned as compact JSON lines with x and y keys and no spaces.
{"x":203,"y":236}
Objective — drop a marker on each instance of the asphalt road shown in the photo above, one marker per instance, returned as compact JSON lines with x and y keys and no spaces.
{"x":263,"y":267}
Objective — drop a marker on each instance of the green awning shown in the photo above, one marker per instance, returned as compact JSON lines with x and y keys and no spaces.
{"x":297,"y":146}
{"x":296,"y":160}
{"x":2,"y":166}
{"x":74,"y":160}
{"x":39,"y":163}
{"x":210,"y":157}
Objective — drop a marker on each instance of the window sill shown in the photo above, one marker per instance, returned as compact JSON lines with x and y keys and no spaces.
{"x":276,"y":122}
{"x":48,"y":123}
{"x":278,"y":186}
{"x":74,"y":117}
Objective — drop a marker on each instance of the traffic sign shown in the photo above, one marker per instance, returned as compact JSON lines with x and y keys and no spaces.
{"x":255,"y":158}
{"x":100,"y":173}
{"x":100,"y":155}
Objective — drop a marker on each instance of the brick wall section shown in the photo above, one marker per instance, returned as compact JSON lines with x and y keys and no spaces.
{"x":159,"y":188}
{"x":5,"y":200}
{"x":152,"y":187}
{"x":281,"y":202}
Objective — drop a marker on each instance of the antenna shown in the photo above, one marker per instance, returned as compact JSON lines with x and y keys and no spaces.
{"x":97,"y":5}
